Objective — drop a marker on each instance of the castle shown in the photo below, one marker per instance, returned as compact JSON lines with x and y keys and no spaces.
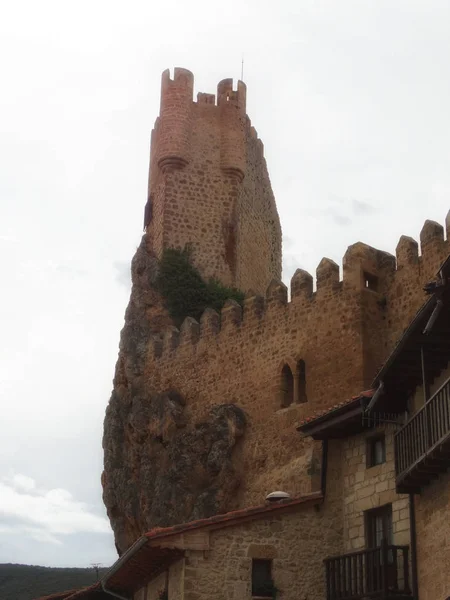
{"x":204,"y":419}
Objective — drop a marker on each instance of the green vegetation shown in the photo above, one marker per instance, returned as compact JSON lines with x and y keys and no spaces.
{"x":25,"y":582}
{"x":185,"y":293}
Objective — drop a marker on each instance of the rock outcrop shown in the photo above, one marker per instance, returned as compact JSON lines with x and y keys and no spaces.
{"x":160,"y":467}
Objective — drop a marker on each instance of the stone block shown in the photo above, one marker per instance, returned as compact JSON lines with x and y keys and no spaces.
{"x":382,"y":486}
{"x":366,"y":491}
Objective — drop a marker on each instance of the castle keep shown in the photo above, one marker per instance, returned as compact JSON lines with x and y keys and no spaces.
{"x":209,"y":186}
{"x":203,"y":418}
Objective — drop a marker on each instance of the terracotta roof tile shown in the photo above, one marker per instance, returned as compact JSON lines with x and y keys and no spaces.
{"x":58,"y":596}
{"x":231,"y":517}
{"x":93,"y":591}
{"x":137,"y":560}
{"x":89,"y":592}
{"x":329,"y":410}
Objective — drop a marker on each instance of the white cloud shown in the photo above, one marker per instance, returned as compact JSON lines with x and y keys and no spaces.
{"x":23,"y":482}
{"x":45,"y":515}
{"x":39,"y":535}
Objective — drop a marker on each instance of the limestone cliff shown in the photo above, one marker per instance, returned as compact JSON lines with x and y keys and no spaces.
{"x":161,"y":465}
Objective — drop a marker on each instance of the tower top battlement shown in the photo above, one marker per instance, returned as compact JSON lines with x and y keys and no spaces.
{"x":183,"y":82}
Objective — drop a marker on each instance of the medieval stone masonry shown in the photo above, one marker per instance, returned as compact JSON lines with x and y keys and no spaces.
{"x":202,"y":419}
{"x":209,"y":185}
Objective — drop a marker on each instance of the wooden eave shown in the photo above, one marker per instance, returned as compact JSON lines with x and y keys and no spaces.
{"x":145,"y":565}
{"x":339,"y":423}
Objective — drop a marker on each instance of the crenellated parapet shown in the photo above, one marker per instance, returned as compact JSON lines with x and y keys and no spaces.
{"x":367,"y":273}
{"x":172,"y":133}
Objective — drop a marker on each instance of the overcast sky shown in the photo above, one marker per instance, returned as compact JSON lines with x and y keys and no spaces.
{"x":351,"y":99}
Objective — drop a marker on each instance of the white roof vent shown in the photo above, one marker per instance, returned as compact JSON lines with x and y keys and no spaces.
{"x":278,"y":497}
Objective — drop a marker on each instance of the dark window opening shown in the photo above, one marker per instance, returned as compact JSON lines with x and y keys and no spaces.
{"x":379,"y":535}
{"x":302,"y":381}
{"x":376,"y":451}
{"x":262,"y":583}
{"x":287,"y":386}
{"x":148,"y":213}
{"x":379,"y":526}
{"x":370,"y":282}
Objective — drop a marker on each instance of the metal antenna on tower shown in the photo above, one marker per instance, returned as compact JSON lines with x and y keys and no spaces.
{"x":242,"y":69}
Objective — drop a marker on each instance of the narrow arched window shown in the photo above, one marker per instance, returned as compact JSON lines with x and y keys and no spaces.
{"x":301,"y":369}
{"x":287,"y":386}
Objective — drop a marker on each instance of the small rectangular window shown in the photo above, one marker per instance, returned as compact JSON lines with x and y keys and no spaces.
{"x":376,"y":451}
{"x":262,"y":584}
{"x":370,"y":282}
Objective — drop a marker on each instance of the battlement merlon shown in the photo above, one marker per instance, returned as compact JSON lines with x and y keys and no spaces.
{"x":183,"y":82}
{"x":227,"y":95}
{"x":366,"y":270}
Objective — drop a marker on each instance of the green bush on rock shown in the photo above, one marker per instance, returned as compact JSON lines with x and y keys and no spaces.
{"x":185,"y":292}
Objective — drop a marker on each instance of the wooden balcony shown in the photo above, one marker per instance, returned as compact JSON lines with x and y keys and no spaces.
{"x":379,"y":573}
{"x":422,"y":446}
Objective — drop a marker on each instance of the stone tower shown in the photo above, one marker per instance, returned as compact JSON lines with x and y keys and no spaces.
{"x":209,"y":185}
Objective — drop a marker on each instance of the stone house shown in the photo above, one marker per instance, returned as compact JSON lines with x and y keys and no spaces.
{"x":246,"y":553}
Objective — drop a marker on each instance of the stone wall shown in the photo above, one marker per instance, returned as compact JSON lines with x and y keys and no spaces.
{"x":171,"y":581}
{"x":154,"y":587}
{"x":433,"y":539}
{"x":342,"y":332}
{"x":433,"y":522}
{"x":368,"y":488}
{"x":417,"y":400}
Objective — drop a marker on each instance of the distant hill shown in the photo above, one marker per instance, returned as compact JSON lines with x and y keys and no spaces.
{"x":25,"y":582}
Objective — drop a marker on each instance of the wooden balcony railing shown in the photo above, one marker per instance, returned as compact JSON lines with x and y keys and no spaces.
{"x":421,"y":444}
{"x":375,"y":573}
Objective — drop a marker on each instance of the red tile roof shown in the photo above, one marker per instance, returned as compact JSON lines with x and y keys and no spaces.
{"x":125,"y":575}
{"x":331,"y":409}
{"x":230,"y":518}
{"x":147,"y":556}
{"x":58,"y":596}
{"x":88,"y":592}
{"x":93,"y":591}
